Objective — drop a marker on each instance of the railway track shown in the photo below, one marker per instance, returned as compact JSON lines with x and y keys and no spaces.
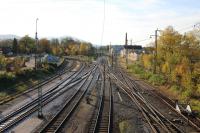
{"x":193,"y":121}
{"x":157,"y":121}
{"x":101,"y":121}
{"x":56,"y":124}
{"x":40,"y":84}
{"x":24,"y":111}
{"x":162,"y":123}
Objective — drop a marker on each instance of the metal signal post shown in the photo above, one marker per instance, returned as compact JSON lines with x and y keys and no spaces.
{"x":40,"y":114}
{"x":156,"y":49}
{"x":126,"y":50}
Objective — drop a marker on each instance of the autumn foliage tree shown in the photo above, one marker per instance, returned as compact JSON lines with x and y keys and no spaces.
{"x":55,"y":46}
{"x":178,"y":60}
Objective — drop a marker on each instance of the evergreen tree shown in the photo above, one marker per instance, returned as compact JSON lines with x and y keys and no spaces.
{"x":15,"y":46}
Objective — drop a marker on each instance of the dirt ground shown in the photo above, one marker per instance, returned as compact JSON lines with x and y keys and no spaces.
{"x":78,"y":123}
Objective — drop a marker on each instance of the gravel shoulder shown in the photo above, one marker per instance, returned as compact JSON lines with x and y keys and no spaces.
{"x":127,"y":118}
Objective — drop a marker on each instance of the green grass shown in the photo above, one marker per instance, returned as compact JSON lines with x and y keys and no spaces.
{"x":155,"y":79}
{"x":195,"y":105}
{"x":22,"y":88}
{"x":2,"y":94}
{"x":13,"y":83}
{"x":124,"y":126}
{"x":183,"y":94}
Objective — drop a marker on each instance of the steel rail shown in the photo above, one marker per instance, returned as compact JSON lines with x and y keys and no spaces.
{"x":103,"y":118}
{"x":121,"y":85}
{"x":57,"y":121}
{"x":93,"y":128}
{"x":73,"y":108}
{"x":41,"y":83}
{"x":155,"y":117}
{"x":171,"y":107}
{"x":11,"y":114}
{"x":110,"y":109}
{"x":31,"y":110}
{"x":171,"y":126}
{"x":33,"y":106}
{"x":155,"y":112}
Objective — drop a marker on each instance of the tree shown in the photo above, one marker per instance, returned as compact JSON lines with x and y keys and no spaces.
{"x":44,"y":46}
{"x":178,"y":60}
{"x":27,"y":45}
{"x":6,"y":43}
{"x":15,"y":46}
{"x":56,"y":47}
{"x":2,"y":62}
{"x":84,"y":48}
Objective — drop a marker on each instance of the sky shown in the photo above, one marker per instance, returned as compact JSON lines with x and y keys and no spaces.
{"x":83,"y":19}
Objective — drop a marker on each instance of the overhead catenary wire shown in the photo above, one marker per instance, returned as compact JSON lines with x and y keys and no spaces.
{"x":189,"y":26}
{"x":143,"y":40}
{"x":179,"y":30}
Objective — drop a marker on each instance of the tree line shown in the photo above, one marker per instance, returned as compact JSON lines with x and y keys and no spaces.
{"x":178,"y":60}
{"x":55,"y":46}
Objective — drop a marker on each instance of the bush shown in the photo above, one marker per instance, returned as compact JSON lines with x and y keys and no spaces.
{"x":198,"y":89}
{"x":51,"y":68}
{"x":175,"y":88}
{"x":7,"y":76}
{"x":185,"y":95}
{"x":6,"y":79}
{"x":146,"y":75}
{"x":136,"y":69}
{"x":156,"y":79}
{"x":21,"y":88}
{"x":3,"y":94}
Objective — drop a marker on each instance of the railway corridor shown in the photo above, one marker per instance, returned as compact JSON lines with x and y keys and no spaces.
{"x":95,"y":98}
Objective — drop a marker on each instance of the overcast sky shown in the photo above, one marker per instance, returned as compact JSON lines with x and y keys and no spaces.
{"x":83,"y":18}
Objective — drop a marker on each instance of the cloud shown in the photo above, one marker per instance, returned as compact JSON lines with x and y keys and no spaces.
{"x":83,"y":18}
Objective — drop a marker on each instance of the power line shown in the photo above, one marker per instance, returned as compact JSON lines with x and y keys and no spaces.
{"x":142,"y":40}
{"x":179,"y":30}
{"x":185,"y":28}
{"x":191,"y":25}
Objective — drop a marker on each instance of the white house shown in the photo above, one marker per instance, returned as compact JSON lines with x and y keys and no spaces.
{"x":133,"y":52}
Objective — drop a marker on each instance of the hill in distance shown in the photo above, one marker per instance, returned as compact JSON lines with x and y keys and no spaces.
{"x":9,"y":36}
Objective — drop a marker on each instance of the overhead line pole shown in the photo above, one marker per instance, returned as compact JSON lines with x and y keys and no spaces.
{"x":126,"y":50}
{"x":36,"y":41}
{"x":156,"y":50}
{"x":156,"y":45}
